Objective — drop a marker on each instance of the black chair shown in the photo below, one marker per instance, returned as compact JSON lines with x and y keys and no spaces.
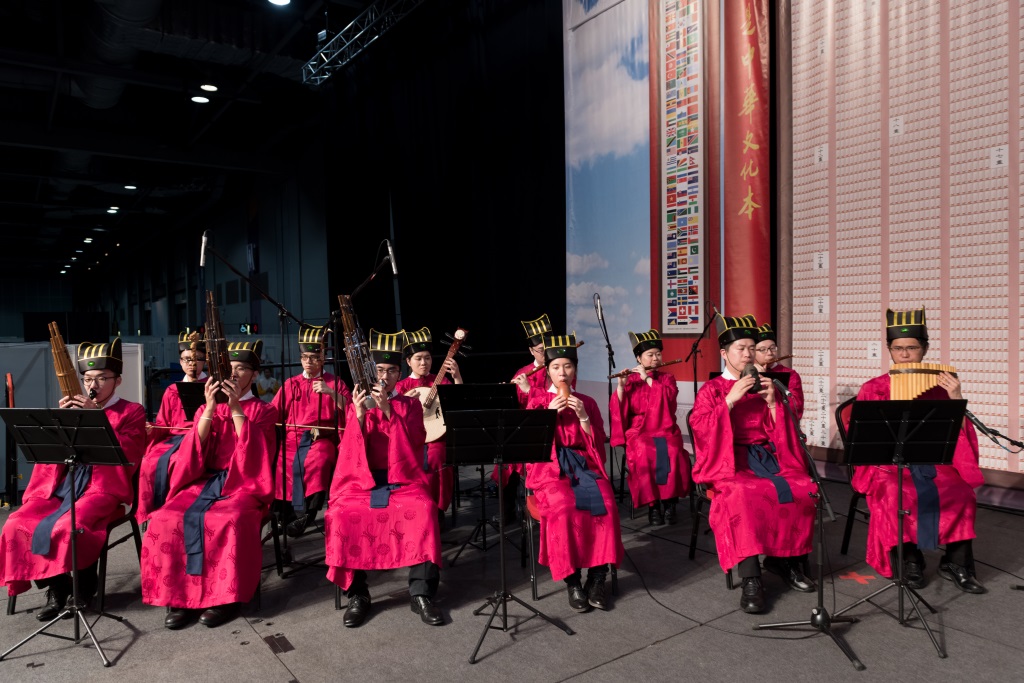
{"x":699,"y":497}
{"x":842,"y":415}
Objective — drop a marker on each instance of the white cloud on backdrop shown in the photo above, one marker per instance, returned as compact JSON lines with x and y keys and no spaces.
{"x":578,"y":264}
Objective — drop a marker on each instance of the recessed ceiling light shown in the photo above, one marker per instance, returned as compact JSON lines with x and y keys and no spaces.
{"x":78,"y":251}
{"x":280,"y":3}
{"x":115,"y":208}
{"x":74,"y":258}
{"x":63,"y":271}
{"x":199,"y":99}
{"x":67,"y":266}
{"x":88,"y":240}
{"x":111,"y":210}
{"x":208,"y":87}
{"x":130,"y":187}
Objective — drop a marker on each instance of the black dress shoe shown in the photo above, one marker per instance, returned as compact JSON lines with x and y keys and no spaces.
{"x":752,"y":598}
{"x":655,"y":517}
{"x":177,"y":618}
{"x":215,"y":616}
{"x":297,"y":527}
{"x":790,"y":572}
{"x":913,"y":573}
{"x":578,"y":598}
{"x":596,"y":594}
{"x":54,"y":604}
{"x":425,"y":607}
{"x":670,"y":513}
{"x":961,"y":577}
{"x":358,"y":608}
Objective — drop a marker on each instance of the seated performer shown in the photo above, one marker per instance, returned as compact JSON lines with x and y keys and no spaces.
{"x":418,"y":357}
{"x":511,"y":475}
{"x":381,"y":514}
{"x":308,"y":407}
{"x":202,"y":549}
{"x":765,"y":354}
{"x":940,"y":498}
{"x":644,"y":405}
{"x":34,"y":543}
{"x":579,"y":520}
{"x":169,"y":429}
{"x":748,"y":456}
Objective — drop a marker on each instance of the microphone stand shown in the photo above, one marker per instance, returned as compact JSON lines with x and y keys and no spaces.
{"x":992,"y":433}
{"x":820,"y":618}
{"x":611,"y":370}
{"x":695,"y":351}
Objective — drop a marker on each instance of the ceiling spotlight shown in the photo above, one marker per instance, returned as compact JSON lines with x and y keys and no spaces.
{"x":104,"y":253}
{"x":66,"y":266}
{"x":130,"y":187}
{"x":111,"y":210}
{"x":78,"y":251}
{"x":208,"y":87}
{"x":279,"y":3}
{"x":199,"y":99}
{"x":63,"y":271}
{"x":74,"y":258}
{"x":88,"y":240}
{"x":118,"y":244}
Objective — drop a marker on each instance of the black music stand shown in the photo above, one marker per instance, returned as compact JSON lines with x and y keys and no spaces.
{"x":193,"y":397}
{"x":903,"y":433}
{"x":499,"y":437}
{"x":72,"y":437}
{"x":463,"y":397}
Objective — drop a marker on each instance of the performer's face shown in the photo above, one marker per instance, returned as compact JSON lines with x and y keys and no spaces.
{"x":312,"y":362}
{"x":907,"y":350}
{"x":766,"y":352}
{"x":420,"y":362}
{"x":537,"y":350}
{"x":242,"y":374}
{"x":103,"y":381}
{"x":388,"y":373}
{"x":561,"y":370}
{"x":192,"y":363}
{"x":738,"y":355}
{"x":651,"y":358}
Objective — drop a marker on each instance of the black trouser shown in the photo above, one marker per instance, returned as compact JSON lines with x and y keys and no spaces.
{"x":596,"y":574}
{"x":749,"y":568}
{"x":423,"y":580}
{"x":510,"y":495}
{"x":88,"y":580}
{"x":957,"y":552}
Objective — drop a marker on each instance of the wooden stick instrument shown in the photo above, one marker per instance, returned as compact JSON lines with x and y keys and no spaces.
{"x":910,"y":380}
{"x":623,"y":373}
{"x":218,"y":362}
{"x":67,"y":374}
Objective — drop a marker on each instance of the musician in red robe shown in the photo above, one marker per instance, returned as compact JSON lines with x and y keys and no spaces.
{"x":765,"y":353}
{"x":35,"y":540}
{"x":381,"y":514}
{"x":526,"y":378}
{"x":418,"y":357}
{"x":644,"y":403}
{"x":940,"y":498}
{"x":748,"y":456}
{"x":579,"y":520}
{"x":203,"y":549}
{"x":311,"y":406}
{"x":169,"y":428}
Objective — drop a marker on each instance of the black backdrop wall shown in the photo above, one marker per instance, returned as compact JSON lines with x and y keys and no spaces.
{"x":453,"y":123}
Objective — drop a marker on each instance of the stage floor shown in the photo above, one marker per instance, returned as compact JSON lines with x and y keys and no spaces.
{"x":673,"y":618}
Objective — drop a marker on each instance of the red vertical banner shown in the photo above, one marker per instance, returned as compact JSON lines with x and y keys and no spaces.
{"x":745,"y":156}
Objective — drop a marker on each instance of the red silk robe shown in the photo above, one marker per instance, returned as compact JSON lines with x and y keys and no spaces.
{"x":538,"y":380}
{"x":571,"y":539}
{"x":440,"y":476}
{"x":795,"y":386}
{"x":404,"y":533}
{"x":233,"y":552}
{"x":171,"y":414}
{"x":955,"y":483}
{"x":648,"y":412}
{"x":109,"y":489}
{"x":745,"y":513}
{"x":304,"y":407}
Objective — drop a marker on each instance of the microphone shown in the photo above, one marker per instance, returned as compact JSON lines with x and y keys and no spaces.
{"x":597,"y":305}
{"x":751,"y":370}
{"x":391,"y":257}
{"x":981,"y":427}
{"x":202,"y":250}
{"x":779,"y":386}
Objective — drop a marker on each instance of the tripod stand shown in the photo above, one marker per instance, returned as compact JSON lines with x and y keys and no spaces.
{"x":501,"y":437}
{"x":904,"y":433}
{"x":820,"y":618}
{"x":70,"y":437}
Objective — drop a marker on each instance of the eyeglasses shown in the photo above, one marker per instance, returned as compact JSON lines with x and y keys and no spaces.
{"x":188,"y":360}
{"x":388,"y":371}
{"x":770,"y":349}
{"x":99,"y":381}
{"x":908,"y":349}
{"x":311,"y":357}
{"x":235,"y":369}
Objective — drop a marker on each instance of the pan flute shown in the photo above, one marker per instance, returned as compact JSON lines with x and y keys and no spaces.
{"x":910,"y":380}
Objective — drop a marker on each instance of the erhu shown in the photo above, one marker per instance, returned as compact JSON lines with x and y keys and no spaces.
{"x":357,"y":351}
{"x":67,"y":374}
{"x":218,"y":362}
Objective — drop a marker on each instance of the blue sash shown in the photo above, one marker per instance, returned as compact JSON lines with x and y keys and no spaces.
{"x":927,"y":506}
{"x":380,"y":494}
{"x":426,"y":463}
{"x":762,"y":461}
{"x":161,"y":480}
{"x":195,"y":521}
{"x":582,"y":481}
{"x":41,"y":536}
{"x":661,"y":464}
{"x":299,"y":471}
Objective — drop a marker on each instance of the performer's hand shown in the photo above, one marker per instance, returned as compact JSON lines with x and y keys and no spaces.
{"x":322,"y":387}
{"x":452,"y":368}
{"x":761,"y":368}
{"x":233,"y":392}
{"x":951,"y":384}
{"x":577,"y":406}
{"x":522,"y":381}
{"x":412,"y":392}
{"x":381,"y":397}
{"x":767,"y":391}
{"x":558,"y":403}
{"x":739,"y":390}
{"x":210,"y":390}
{"x":642,"y":371}
{"x":78,"y":401}
{"x":359,"y":401}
